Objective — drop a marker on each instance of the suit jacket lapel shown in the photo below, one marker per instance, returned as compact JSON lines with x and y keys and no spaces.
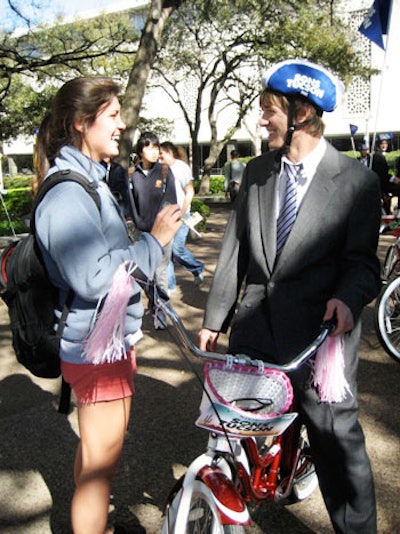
{"x":267,"y":207}
{"x":313,"y":209}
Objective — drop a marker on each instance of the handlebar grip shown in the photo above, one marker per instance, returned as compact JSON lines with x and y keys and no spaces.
{"x":329,"y":325}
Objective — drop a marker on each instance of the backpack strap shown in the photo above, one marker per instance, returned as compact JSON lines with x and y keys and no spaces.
{"x":56,"y":178}
{"x":90,"y":188}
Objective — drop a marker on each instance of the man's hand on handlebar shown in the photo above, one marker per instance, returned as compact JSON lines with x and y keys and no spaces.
{"x":337,"y":309}
{"x":208,"y":340}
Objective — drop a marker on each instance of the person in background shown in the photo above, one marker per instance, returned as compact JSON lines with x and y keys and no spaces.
{"x":83,"y":248}
{"x":390,"y":185}
{"x":298,"y":273}
{"x":378,"y":164}
{"x":117,"y":180}
{"x":152,"y":187}
{"x":184,"y":191}
{"x":382,"y":146}
{"x":233,"y":175}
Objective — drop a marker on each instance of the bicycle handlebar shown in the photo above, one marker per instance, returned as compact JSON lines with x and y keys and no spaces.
{"x":159,"y":298}
{"x":243,"y":359}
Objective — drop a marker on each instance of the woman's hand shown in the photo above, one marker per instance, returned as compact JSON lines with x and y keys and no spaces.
{"x":166,"y":224}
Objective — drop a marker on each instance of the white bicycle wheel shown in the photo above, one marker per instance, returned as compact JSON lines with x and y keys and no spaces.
{"x":203,"y":517}
{"x":387,"y":319}
{"x":391,"y":265}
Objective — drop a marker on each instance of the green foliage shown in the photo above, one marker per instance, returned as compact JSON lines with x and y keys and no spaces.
{"x":23,"y":108}
{"x":199,"y":206}
{"x":19,"y":227}
{"x":34,"y":63}
{"x":391,"y":158}
{"x":217,"y":185}
{"x":18,"y":202}
{"x":14,"y":182}
{"x":162,"y":126}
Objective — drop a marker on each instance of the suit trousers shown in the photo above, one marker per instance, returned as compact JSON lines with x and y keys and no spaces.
{"x":338,"y":448}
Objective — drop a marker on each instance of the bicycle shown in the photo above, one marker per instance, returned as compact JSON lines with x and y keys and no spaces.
{"x":257,"y":447}
{"x":387,"y":304}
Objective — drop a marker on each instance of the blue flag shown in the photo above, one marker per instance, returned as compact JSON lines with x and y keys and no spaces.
{"x":353,"y":129}
{"x":376,"y":22}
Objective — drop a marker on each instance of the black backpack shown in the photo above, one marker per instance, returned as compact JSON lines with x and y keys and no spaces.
{"x":30,"y":296}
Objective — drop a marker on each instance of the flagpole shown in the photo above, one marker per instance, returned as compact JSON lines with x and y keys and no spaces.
{"x":384,"y":69}
{"x":353,"y":146}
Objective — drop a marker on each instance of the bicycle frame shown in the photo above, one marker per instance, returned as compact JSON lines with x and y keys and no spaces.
{"x":238,"y":478}
{"x":233,"y":472}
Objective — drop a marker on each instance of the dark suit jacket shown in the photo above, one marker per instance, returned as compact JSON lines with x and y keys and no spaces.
{"x":380,"y":166}
{"x":330,"y":252}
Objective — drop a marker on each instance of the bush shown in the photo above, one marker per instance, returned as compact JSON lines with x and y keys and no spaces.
{"x":391,"y":158}
{"x":18,"y":201}
{"x":18,"y":226}
{"x":217,"y":185}
{"x":203,"y":209}
{"x":14,"y":182}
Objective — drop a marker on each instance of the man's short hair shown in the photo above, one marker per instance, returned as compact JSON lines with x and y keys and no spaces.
{"x":315,"y":127}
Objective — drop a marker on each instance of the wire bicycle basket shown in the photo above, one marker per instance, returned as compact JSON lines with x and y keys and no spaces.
{"x":245,"y":401}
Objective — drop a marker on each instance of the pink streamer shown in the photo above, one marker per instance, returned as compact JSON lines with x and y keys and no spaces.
{"x":106,"y":343}
{"x":328,"y":374}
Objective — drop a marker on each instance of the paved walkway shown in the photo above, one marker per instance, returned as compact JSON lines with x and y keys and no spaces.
{"x":37,"y":444}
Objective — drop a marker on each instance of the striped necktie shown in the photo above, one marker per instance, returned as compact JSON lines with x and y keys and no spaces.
{"x":288,"y":213}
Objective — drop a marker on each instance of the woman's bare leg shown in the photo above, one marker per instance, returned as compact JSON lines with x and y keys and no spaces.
{"x":102,"y":428}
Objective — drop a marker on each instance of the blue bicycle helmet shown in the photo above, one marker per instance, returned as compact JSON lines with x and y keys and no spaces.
{"x":311,"y":81}
{"x":301,"y":78}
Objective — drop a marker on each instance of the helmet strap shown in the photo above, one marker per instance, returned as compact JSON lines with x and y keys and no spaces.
{"x":290,"y":130}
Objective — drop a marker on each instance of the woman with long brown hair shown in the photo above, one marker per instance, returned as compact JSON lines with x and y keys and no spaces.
{"x":83,"y":248}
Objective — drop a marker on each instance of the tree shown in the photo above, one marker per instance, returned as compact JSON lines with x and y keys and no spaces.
{"x":35,"y":62}
{"x":102,"y":45}
{"x":159,"y":12}
{"x":213,"y":52}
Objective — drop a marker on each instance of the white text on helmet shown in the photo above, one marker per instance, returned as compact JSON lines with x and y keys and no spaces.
{"x":306,"y":85}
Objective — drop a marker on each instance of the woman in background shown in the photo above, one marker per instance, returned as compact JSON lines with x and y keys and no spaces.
{"x":170,"y":155}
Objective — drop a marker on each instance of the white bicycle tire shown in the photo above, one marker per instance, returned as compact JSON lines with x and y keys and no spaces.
{"x":387,"y":319}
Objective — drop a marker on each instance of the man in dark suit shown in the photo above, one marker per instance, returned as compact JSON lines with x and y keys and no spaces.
{"x":380,"y":166}
{"x":327,"y":268}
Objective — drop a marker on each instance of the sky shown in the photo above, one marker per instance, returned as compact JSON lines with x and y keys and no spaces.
{"x":45,"y":10}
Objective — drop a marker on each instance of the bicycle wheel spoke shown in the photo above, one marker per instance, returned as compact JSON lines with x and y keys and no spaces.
{"x":201,"y":518}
